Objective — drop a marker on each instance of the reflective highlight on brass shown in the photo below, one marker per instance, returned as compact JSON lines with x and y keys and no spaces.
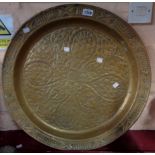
{"x":73,"y":81}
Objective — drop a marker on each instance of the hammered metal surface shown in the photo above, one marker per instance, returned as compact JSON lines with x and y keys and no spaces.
{"x":74,"y":81}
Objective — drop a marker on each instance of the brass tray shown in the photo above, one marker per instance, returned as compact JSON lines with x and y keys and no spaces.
{"x":76,"y":77}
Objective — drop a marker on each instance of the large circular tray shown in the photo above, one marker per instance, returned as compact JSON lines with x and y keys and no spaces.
{"x":76,"y":77}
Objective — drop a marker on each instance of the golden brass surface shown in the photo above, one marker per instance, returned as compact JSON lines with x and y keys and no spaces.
{"x":75,"y":80}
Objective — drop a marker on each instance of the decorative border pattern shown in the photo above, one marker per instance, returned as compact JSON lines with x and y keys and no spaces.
{"x":101,"y":16}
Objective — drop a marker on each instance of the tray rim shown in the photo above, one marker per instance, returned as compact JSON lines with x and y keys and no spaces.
{"x":73,"y":10}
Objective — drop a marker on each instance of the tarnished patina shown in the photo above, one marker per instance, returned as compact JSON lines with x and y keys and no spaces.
{"x":76,"y":77}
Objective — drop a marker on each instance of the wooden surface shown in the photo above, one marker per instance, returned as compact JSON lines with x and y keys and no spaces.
{"x":23,"y":11}
{"x":133,"y":141}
